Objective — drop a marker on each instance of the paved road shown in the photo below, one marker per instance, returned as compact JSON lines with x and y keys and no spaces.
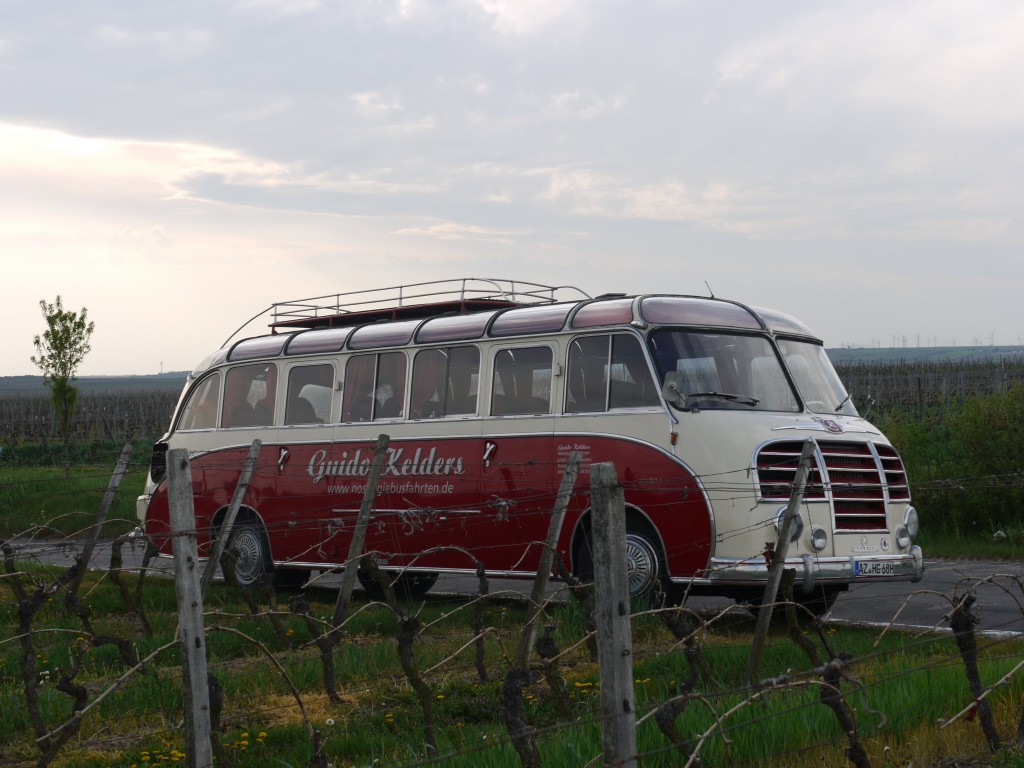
{"x":1000,"y":600}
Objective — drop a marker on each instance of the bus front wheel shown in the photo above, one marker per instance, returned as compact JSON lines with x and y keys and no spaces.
{"x":645,"y":569}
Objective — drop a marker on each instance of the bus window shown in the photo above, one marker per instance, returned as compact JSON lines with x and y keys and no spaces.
{"x":631,"y":382}
{"x":522,"y":381}
{"x":374,"y":387}
{"x":587,"y":387}
{"x":444,"y":382}
{"x":249,"y":395}
{"x":200,"y":412}
{"x":608,"y":371}
{"x":310,"y":388}
{"x":724,"y":371}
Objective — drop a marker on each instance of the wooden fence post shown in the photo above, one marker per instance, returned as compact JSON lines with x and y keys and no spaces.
{"x":101,"y":517}
{"x":229,"y":519}
{"x":191,"y":635}
{"x":547,"y":557}
{"x":771,"y":590}
{"x":355,"y":549}
{"x":614,"y":633}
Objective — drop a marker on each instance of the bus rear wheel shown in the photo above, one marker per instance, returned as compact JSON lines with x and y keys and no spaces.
{"x":250,"y":553}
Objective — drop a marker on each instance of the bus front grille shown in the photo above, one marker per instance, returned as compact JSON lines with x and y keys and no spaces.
{"x":858,"y":479}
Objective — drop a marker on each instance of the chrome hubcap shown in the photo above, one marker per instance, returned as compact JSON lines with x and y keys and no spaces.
{"x":641,"y":564}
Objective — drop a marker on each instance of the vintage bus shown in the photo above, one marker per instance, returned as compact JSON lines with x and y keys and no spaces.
{"x":485,"y":387}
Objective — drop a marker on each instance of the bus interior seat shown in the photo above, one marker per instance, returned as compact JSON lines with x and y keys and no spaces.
{"x":301,"y":411}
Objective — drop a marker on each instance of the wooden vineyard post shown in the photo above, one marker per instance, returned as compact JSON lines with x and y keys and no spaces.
{"x":614,"y":632}
{"x":191,"y":633}
{"x":771,"y":591}
{"x":229,"y":519}
{"x":547,"y":557}
{"x":355,"y":549}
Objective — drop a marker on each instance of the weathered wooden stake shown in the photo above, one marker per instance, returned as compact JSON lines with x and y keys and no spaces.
{"x":355,"y":549}
{"x":614,"y":634}
{"x":229,"y":519}
{"x":547,"y":557}
{"x":191,"y":636}
{"x":771,"y":590}
{"x":101,"y":516}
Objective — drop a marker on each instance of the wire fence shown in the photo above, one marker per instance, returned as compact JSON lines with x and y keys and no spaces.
{"x":92,"y":668}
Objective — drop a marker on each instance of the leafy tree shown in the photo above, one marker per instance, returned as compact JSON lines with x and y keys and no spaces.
{"x":61,"y":349}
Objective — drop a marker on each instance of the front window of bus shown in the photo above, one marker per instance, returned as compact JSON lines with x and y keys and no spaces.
{"x":816,"y":379}
{"x":721,"y":371}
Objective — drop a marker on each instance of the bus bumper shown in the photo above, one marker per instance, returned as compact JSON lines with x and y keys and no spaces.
{"x":814,"y":572}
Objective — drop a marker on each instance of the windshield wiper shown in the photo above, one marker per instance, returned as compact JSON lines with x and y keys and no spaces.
{"x":845,"y":401}
{"x":744,"y":399}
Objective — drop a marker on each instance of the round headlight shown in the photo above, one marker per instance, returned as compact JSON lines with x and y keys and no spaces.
{"x":798,"y":525}
{"x":902,"y":537}
{"x":910,"y":521}
{"x":819,"y":539}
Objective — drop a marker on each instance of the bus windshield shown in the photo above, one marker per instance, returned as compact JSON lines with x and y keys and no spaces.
{"x":722,"y":371}
{"x":817,"y":380}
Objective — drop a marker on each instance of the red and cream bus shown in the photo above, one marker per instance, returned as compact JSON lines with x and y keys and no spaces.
{"x":486,"y":387}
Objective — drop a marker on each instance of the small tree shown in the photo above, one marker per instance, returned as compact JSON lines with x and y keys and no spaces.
{"x":61,"y":349}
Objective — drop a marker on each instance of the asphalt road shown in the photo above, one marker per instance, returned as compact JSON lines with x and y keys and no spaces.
{"x":1000,"y":595}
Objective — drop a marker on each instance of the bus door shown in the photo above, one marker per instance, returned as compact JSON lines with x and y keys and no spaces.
{"x":427,"y":507}
{"x":301,"y":457}
{"x":518,"y":472}
{"x":248,"y":413}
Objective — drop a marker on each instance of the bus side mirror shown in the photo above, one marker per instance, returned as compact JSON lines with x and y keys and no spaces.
{"x":672,"y":391}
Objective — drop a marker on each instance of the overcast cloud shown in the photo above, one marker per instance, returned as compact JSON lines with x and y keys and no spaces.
{"x":176,"y":167}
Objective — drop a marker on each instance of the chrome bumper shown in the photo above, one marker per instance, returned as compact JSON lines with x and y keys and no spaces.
{"x":813,"y":572}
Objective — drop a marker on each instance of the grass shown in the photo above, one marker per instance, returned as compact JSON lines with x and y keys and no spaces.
{"x":48,"y":503}
{"x":899,"y":689}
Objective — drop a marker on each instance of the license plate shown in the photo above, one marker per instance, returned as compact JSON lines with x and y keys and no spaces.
{"x":874,"y":568}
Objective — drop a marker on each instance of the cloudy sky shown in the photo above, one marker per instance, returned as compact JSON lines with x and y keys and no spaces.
{"x":176,"y":167}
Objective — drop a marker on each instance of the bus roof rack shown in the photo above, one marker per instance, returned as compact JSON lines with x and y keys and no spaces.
{"x":415,"y":300}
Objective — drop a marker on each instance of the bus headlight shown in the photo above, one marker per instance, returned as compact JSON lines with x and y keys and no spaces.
{"x":903,"y":538}
{"x":910,"y":521}
{"x":819,"y":539}
{"x":798,"y":525}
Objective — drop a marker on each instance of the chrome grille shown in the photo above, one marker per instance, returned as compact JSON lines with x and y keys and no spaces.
{"x":859,"y":479}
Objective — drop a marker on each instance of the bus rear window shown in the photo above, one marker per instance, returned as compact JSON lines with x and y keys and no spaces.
{"x":249,"y":395}
{"x":200,"y":411}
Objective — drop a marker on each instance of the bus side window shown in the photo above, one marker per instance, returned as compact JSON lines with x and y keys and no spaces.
{"x":389,"y":393}
{"x":444,"y":382}
{"x":358,"y":401}
{"x":200,"y":412}
{"x":631,"y":382}
{"x":463,"y":381}
{"x":310,"y":388}
{"x":522,"y":381}
{"x":428,"y":382}
{"x":249,"y":395}
{"x":587,"y":380}
{"x":374,"y":387}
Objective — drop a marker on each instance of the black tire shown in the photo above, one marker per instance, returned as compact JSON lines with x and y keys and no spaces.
{"x":645,"y":565}
{"x":291,"y":579}
{"x":818,"y":602}
{"x":406,"y":585}
{"x":250,"y":553}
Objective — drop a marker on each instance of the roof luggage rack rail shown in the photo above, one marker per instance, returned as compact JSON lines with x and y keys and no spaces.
{"x":471,"y":293}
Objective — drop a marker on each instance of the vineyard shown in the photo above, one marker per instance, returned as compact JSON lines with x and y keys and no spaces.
{"x":106,"y":419}
{"x":922,"y":388}
{"x":93,"y":672}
